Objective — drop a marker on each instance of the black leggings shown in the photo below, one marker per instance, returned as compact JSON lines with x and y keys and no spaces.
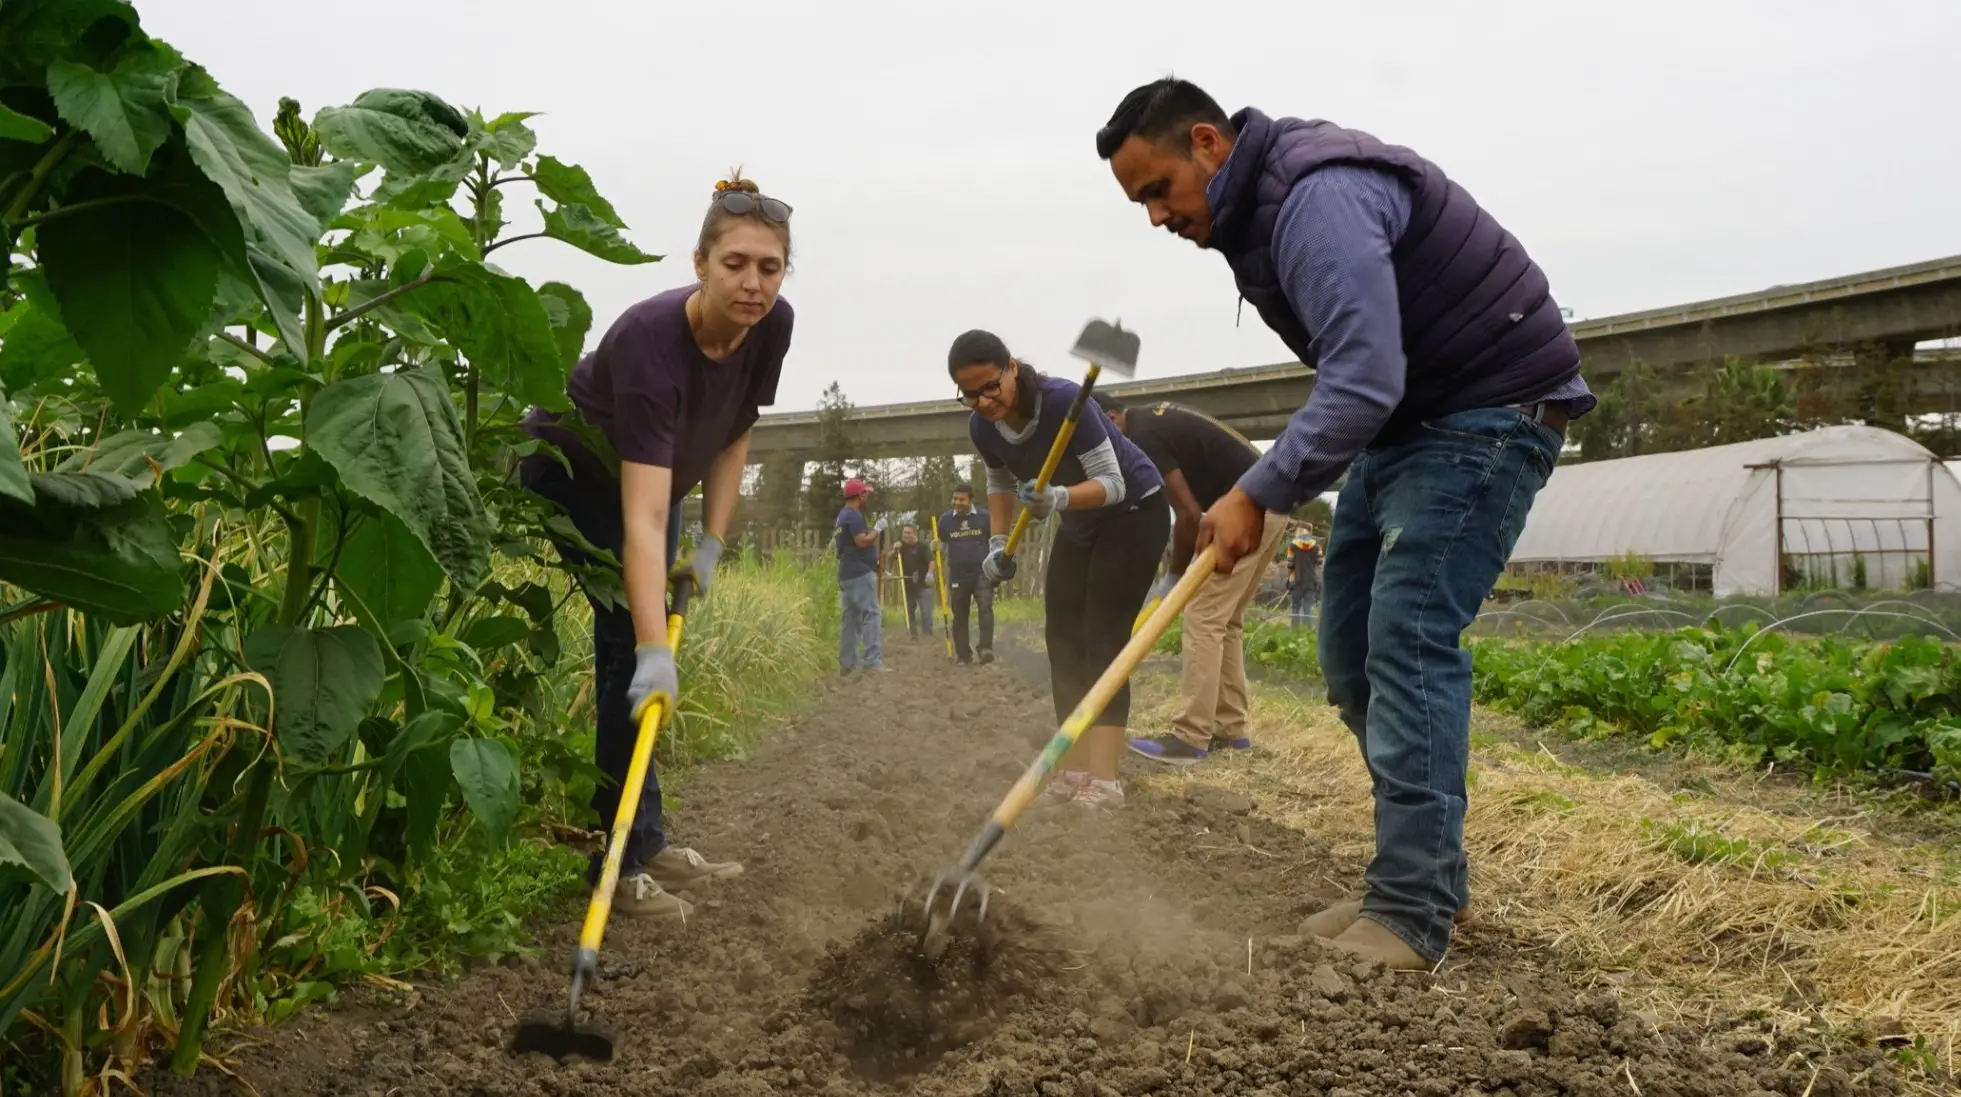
{"x":1093,"y":594}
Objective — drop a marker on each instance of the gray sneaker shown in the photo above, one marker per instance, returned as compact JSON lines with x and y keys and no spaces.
{"x":640,"y":896}
{"x":678,"y":869}
{"x":1061,"y":789}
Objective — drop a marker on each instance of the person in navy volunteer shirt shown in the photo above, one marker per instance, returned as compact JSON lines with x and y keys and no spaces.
{"x":963,"y":541}
{"x":1114,"y":526}
{"x":1445,"y":378}
{"x":913,"y":562}
{"x":863,"y":621}
{"x":671,"y":393}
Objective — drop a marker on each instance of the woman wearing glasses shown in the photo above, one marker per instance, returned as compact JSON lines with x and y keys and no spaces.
{"x":1114,"y":526}
{"x":673,"y":392}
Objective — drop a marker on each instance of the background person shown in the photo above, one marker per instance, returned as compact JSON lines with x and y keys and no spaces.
{"x":1113,"y":529}
{"x":963,"y":540}
{"x":1303,"y":577}
{"x":1201,"y":459}
{"x":1445,"y":375}
{"x":674,"y":389}
{"x":913,"y":560}
{"x":862,"y":624}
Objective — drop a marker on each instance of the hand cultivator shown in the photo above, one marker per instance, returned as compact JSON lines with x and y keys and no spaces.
{"x":560,"y":1037}
{"x":941,"y":899}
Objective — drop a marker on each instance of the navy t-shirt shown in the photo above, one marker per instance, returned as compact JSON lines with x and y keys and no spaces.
{"x":965,"y":536}
{"x":659,"y":400}
{"x":852,"y":560}
{"x":1024,"y":457}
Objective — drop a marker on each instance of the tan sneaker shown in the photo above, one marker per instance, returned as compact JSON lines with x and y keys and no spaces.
{"x":678,"y":869}
{"x":1099,"y":795}
{"x":1335,"y":919}
{"x":640,"y":896}
{"x":1060,"y":790}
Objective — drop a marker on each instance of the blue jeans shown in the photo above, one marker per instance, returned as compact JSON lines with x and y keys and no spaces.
{"x":594,"y":507}
{"x":1300,"y":604}
{"x":1422,"y":529}
{"x":920,"y":600}
{"x":862,"y":622}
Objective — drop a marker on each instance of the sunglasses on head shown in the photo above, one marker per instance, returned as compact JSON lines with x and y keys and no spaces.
{"x":741,"y":203}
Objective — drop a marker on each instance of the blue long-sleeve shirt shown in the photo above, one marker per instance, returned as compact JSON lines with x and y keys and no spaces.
{"x":1332,"y":246}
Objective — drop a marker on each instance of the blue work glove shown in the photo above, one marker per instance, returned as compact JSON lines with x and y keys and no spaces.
{"x":653,"y":676}
{"x":1040,"y":503}
{"x":700,"y":568}
{"x":999,"y":567}
{"x":1163,"y":586}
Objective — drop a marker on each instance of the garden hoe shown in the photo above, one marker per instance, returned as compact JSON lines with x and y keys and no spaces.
{"x":933,"y":915}
{"x":563,"y":1037}
{"x":939,"y":576}
{"x":1103,"y":346}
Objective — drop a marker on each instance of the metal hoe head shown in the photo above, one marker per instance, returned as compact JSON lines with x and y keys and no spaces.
{"x":940,"y":904}
{"x":1109,"y":346}
{"x":561,"y":1036}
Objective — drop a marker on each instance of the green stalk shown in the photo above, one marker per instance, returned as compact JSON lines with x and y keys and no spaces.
{"x":222,"y":896}
{"x":43,"y":167}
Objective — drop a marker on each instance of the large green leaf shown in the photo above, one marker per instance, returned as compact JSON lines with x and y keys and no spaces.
{"x":137,"y":454}
{"x":571,"y":319}
{"x":388,"y":571}
{"x":135,"y":279}
{"x":412,"y":132}
{"x":324,"y":680}
{"x":501,"y":325}
{"x":118,"y":562}
{"x":15,"y":126}
{"x":569,"y":185}
{"x":508,"y":140}
{"x":580,"y":227}
{"x":38,"y":32}
{"x":36,"y":348}
{"x":122,"y":111}
{"x":323,"y":191}
{"x":30,"y":846}
{"x":83,"y":490}
{"x":487,"y":774}
{"x":395,"y":441}
{"x":13,"y":474}
{"x":256,"y":175}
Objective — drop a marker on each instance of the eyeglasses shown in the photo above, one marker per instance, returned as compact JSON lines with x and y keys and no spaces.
{"x":741,"y":203}
{"x":991,"y":391}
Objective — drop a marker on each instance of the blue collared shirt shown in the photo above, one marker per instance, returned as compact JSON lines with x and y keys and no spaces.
{"x":1331,"y":248}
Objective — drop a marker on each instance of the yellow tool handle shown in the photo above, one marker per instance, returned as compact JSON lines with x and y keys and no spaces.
{"x":651,"y":722}
{"x":1098,"y":697}
{"x":939,"y":573}
{"x":1056,"y":448}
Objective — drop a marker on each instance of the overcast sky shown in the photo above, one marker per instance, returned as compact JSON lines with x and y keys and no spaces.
{"x":944,"y":177}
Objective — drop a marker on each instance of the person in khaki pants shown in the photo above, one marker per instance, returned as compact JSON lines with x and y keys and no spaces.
{"x":1201,"y":459}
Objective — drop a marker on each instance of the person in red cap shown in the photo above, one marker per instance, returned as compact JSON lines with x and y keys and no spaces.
{"x":863,"y":622}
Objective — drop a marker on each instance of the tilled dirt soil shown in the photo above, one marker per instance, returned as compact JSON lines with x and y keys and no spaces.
{"x":1148,"y":951}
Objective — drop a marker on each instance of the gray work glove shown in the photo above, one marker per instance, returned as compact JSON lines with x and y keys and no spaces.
{"x":879,"y":527}
{"x":1041,"y":503}
{"x":999,"y":567}
{"x":700,"y":568}
{"x":653,"y":676}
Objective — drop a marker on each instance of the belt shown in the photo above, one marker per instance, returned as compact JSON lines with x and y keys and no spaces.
{"x":1549,"y":413}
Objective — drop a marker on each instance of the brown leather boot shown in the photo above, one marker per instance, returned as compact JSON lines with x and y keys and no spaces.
{"x":1368,"y":939}
{"x":1337,"y":917}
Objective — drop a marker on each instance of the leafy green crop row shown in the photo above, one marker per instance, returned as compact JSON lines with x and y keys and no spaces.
{"x":1833,"y":705}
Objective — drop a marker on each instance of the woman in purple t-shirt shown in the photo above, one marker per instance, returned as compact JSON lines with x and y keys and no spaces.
{"x":673,"y":391}
{"x":1114,"y":526}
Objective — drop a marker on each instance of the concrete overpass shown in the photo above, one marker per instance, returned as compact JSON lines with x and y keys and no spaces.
{"x":1882,"y":313}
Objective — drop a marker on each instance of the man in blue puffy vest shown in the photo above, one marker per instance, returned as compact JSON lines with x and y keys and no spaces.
{"x":1445,"y":376}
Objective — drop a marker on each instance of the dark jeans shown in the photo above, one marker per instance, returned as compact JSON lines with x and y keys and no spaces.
{"x":1300,"y":603}
{"x":594,"y":507}
{"x":963,"y":591}
{"x":920,"y":600}
{"x":1421,"y":531}
{"x":1092,"y":594}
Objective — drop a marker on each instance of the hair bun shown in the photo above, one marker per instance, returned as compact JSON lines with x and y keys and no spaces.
{"x":735,"y":181}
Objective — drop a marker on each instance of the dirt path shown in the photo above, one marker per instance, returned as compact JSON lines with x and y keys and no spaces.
{"x":1147,"y":952}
